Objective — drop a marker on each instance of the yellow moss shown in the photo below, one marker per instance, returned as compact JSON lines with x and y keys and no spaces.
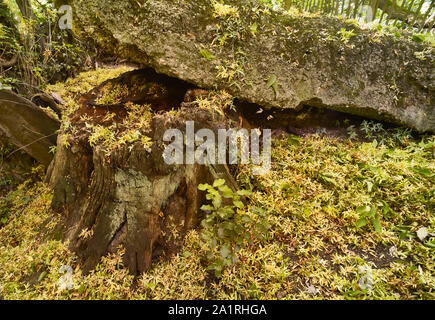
{"x":224,"y":10}
{"x":83,"y":83}
{"x":112,"y":94}
{"x":132,"y":129}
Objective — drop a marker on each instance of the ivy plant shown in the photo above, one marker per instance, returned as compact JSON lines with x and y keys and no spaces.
{"x":228,"y":226}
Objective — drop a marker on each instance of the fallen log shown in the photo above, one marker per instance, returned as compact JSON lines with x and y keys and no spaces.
{"x":272,"y":58}
{"x":27,"y":126}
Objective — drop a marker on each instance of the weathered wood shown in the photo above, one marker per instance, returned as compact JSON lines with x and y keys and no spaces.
{"x":27,"y":126}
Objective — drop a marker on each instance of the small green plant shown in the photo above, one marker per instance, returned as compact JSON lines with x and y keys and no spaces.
{"x":372,"y":215}
{"x":272,"y":82}
{"x":401,"y":135}
{"x":228,"y":226}
{"x":345,"y":35}
{"x":129,"y":131}
{"x":418,"y":37}
{"x":206,"y":54}
{"x":351,"y":132}
{"x":230,"y":72}
{"x":221,"y":10}
{"x":65,"y":141}
{"x":368,"y":214}
{"x":52,"y":149}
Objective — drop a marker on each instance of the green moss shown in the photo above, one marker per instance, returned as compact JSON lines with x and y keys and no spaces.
{"x":71,"y":89}
{"x":315,"y":249}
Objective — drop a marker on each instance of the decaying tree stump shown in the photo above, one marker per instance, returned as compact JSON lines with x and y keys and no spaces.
{"x":129,"y":196}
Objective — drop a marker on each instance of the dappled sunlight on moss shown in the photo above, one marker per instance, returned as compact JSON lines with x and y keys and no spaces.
{"x":83,"y":83}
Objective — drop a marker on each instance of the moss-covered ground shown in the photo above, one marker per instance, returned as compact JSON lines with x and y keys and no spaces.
{"x":350,"y":219}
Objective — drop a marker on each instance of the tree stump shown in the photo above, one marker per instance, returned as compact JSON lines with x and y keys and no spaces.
{"x":129,"y":196}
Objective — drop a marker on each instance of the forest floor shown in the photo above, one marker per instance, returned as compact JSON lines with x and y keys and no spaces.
{"x":350,"y":218}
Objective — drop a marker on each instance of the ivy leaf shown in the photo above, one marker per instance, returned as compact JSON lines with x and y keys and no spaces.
{"x":203,"y":187}
{"x":226,"y":191}
{"x":218,"y":182}
{"x":207,"y":208}
{"x":217,"y":201}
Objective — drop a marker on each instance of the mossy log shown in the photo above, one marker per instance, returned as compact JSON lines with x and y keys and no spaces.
{"x":272,"y":58}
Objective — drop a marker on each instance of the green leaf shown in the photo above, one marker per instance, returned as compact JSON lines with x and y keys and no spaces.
{"x":206,"y":54}
{"x":254,"y":28}
{"x":217,"y":201}
{"x":430,"y":244}
{"x":361,"y":222}
{"x":363,"y":210}
{"x":225,"y":251}
{"x":246,"y":219}
{"x":221,"y":233}
{"x":42,"y":276}
{"x":418,"y":37}
{"x":244,"y":193}
{"x":377,"y":225}
{"x":226,"y":191}
{"x":275,"y":87}
{"x":239,"y":204}
{"x":82,"y":288}
{"x":218,"y":183}
{"x":271,"y":81}
{"x":423,"y":171}
{"x":217,"y":267}
{"x":203,"y":187}
{"x":327,"y":178}
{"x":207,"y":208}
{"x":225,"y":212}
{"x":293,"y":140}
